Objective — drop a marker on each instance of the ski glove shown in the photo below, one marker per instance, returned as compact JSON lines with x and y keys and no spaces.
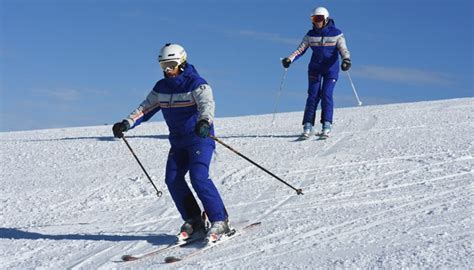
{"x":203,"y":128}
{"x":286,"y":62}
{"x":346,"y":64}
{"x":119,"y":128}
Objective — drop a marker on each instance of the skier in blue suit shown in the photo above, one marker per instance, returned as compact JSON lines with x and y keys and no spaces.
{"x":327,"y":42}
{"x":187,"y":104}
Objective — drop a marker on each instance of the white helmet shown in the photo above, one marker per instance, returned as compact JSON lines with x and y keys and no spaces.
{"x":321,"y":11}
{"x":172,"y":53}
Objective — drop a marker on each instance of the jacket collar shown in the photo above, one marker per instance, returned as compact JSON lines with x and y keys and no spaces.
{"x":181,"y":78}
{"x":326,"y":28}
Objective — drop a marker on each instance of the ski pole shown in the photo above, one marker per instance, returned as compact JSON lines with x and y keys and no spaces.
{"x":298,"y":190}
{"x":278,"y":95}
{"x":353,"y":88}
{"x":158,"y":192}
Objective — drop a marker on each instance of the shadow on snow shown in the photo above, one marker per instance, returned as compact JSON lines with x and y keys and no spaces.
{"x":257,"y":136}
{"x":101,"y":138}
{"x":12,"y":233}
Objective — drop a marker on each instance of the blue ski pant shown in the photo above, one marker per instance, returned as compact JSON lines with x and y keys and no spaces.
{"x":320,"y":88}
{"x":195,"y":159}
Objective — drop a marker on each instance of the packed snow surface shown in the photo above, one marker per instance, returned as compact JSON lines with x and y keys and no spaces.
{"x":391,"y":188}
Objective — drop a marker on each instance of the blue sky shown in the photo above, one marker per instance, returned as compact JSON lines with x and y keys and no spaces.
{"x":83,"y":63}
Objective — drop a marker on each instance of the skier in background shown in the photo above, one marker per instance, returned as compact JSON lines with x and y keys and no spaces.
{"x":326,"y":41}
{"x":188,"y":109}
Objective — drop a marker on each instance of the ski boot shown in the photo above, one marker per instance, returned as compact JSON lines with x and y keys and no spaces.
{"x":307,"y":130}
{"x":326,"y":130}
{"x":218,"y":230}
{"x":192,"y":228}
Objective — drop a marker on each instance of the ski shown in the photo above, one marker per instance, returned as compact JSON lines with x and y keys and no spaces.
{"x":303,"y":137}
{"x":234,"y":233}
{"x":177,"y":244}
{"x":321,"y":136}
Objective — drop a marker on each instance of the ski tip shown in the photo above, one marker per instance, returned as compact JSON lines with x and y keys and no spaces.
{"x":127,"y":258}
{"x":301,"y":138}
{"x":172,"y":259}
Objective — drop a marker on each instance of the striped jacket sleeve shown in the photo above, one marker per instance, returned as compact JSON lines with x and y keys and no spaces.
{"x":304,"y":45}
{"x":145,"y":111}
{"x":205,"y":102}
{"x":342,"y":47}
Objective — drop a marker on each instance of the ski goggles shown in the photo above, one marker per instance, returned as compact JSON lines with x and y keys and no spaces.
{"x":317,"y":18}
{"x":169,"y":65}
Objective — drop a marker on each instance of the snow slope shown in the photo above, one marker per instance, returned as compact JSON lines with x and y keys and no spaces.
{"x":392,"y":188}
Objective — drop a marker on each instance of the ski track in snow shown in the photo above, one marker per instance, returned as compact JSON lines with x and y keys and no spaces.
{"x":391,"y":188}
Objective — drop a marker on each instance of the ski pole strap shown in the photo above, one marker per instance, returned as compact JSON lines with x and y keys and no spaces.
{"x":158,"y":192}
{"x":299,"y":191}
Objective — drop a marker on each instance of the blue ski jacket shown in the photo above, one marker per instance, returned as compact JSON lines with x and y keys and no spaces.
{"x":184,"y":100}
{"x":326,"y":43}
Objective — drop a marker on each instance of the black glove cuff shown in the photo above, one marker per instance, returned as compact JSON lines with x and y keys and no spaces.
{"x":126,"y":124}
{"x":202,"y":121}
